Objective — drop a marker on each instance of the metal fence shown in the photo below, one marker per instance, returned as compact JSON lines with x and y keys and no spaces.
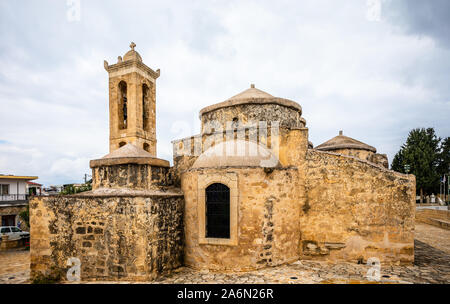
{"x":13,"y":197}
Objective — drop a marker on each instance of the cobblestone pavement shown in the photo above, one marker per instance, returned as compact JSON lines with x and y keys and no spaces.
{"x":432,"y":265}
{"x":434,"y":236}
{"x":14,"y":266}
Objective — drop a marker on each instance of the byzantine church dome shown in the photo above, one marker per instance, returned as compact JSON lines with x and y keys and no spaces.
{"x":344,"y":142}
{"x":254,"y":105}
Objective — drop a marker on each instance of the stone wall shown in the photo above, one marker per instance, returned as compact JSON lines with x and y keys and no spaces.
{"x":361,"y":154}
{"x":355,"y":210}
{"x":14,"y":210}
{"x":438,"y":218}
{"x":133,"y":176}
{"x":267,"y":218}
{"x":291,"y":145}
{"x":376,"y":158}
{"x":116,"y":237}
{"x":7,"y":244}
{"x":286,"y":116}
{"x":380,"y":159}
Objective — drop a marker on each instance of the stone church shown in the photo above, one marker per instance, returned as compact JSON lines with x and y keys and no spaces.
{"x":250,"y":191}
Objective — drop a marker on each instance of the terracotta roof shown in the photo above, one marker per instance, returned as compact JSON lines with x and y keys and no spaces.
{"x":252,"y":96}
{"x":35,"y":184}
{"x":344,"y":142}
{"x":236,"y":153}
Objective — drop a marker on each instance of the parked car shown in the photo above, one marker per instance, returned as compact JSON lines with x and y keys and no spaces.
{"x":13,"y":233}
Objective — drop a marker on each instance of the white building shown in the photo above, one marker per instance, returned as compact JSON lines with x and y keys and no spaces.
{"x":13,"y":197}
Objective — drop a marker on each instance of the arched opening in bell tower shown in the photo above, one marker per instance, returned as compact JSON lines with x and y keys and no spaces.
{"x":123,"y":106}
{"x":145,"y":107}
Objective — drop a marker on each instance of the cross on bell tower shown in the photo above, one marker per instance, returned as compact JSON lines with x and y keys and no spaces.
{"x":132,"y":102}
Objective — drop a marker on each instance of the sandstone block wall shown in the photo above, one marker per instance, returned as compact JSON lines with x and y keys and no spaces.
{"x":438,"y":218}
{"x":361,"y":154}
{"x":291,"y":146}
{"x":132,"y":176}
{"x":286,"y":116}
{"x":267,"y":225}
{"x":355,"y":210}
{"x":115,"y":237}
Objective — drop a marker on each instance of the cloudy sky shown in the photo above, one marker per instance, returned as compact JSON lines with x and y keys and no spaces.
{"x":375,"y":69}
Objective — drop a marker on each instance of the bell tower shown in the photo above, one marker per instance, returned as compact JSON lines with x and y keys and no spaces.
{"x":132,"y":102}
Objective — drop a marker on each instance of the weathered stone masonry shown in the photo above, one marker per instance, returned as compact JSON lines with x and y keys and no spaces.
{"x":115,"y":237}
{"x":355,"y":210}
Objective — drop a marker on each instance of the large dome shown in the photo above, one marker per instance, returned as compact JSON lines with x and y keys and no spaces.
{"x":237,"y":153}
{"x":252,"y":96}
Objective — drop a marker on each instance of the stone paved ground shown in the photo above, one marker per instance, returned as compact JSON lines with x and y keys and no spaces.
{"x":14,"y":266}
{"x":432,"y":265}
{"x":434,"y":236}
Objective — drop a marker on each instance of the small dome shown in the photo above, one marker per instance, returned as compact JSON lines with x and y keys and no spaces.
{"x":129,"y":154}
{"x":132,"y":54}
{"x":344,"y":142}
{"x":128,"y":150}
{"x":237,"y":153}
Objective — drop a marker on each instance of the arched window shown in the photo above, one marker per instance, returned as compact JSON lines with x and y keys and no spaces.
{"x":146,"y":147}
{"x":122,"y":143}
{"x":123,"y":107}
{"x":217,"y":211}
{"x":145,"y":109}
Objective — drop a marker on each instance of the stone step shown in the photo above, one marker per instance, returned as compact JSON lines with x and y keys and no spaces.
{"x":441,"y":223}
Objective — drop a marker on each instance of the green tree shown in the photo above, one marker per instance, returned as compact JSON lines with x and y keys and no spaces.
{"x":25,"y":215}
{"x":422,"y":153}
{"x":397,"y":162}
{"x":444,"y":157}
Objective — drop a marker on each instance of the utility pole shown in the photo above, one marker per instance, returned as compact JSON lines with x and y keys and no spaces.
{"x":86,"y":176}
{"x":448,"y":190}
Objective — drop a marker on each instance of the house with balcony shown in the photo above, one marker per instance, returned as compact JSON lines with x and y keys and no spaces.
{"x":14,"y":193}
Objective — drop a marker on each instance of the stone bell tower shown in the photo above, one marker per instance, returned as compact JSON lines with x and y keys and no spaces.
{"x":132,"y":103}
